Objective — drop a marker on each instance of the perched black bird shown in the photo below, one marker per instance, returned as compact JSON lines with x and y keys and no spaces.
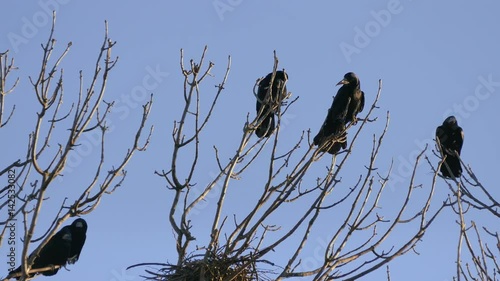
{"x":451,"y":138}
{"x":267,"y":104}
{"x":334,"y":127}
{"x":64,"y":247}
{"x":348,"y":102}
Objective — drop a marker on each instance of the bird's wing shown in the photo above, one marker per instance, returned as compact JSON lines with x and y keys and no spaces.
{"x":362,"y":101}
{"x":460,"y":140}
{"x":261,"y":96}
{"x":76,"y":248}
{"x":439,"y":132}
{"x":340,"y":105}
{"x":64,"y":241}
{"x":56,"y":251}
{"x":343,"y":115}
{"x":439,"y":136}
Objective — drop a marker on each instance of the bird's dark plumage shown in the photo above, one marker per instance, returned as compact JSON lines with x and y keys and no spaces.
{"x":348,"y":102}
{"x":267,"y":104}
{"x":64,"y":247}
{"x":451,"y":138}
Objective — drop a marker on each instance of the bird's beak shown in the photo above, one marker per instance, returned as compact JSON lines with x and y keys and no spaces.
{"x":343,"y":82}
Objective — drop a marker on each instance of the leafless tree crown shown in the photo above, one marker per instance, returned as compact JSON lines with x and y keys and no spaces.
{"x":361,"y":233}
{"x":363,"y":236}
{"x":56,"y":133}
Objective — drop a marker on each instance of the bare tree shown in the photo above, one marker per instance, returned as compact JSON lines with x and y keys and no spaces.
{"x":6,"y":67}
{"x":480,"y":259}
{"x":482,"y":245}
{"x":478,"y":248}
{"x":51,"y":142}
{"x":241,"y":244}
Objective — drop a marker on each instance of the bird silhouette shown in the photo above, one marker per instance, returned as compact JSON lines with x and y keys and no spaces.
{"x":348,"y":102}
{"x":62,"y":248}
{"x":451,"y":138}
{"x":268,"y":101}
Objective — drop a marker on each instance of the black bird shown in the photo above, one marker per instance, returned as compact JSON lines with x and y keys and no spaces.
{"x":267,"y":104}
{"x":64,"y":247}
{"x":451,"y":138}
{"x":348,"y":102}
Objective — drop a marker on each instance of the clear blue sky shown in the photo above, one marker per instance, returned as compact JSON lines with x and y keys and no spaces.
{"x":435,"y":59}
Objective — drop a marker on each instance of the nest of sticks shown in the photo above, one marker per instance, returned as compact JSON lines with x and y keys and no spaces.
{"x":216,"y":268}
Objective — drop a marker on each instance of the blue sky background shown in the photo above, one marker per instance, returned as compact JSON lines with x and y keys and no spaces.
{"x":433,"y":58}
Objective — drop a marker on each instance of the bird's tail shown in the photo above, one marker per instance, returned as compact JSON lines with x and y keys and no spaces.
{"x":266,"y":126}
{"x":454,"y":164}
